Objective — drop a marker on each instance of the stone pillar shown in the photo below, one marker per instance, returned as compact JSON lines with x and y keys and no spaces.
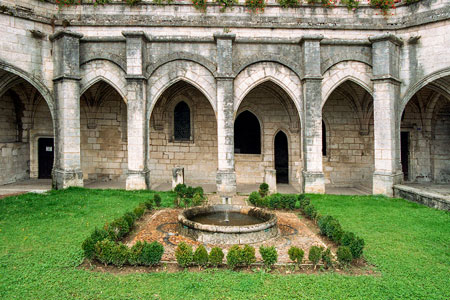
{"x":386,"y":61}
{"x":138,"y":177}
{"x":226,"y":175}
{"x":66,"y":61}
{"x":270,"y":177}
{"x":313,"y":178}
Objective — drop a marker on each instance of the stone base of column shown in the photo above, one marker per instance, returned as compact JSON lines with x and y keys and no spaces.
{"x":138,"y":180}
{"x":62,"y":179}
{"x":313,"y":182}
{"x":226,"y":182}
{"x":383,"y":183}
{"x":270,"y":177}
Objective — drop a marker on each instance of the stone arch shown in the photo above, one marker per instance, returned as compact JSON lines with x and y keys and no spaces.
{"x":103,"y":70}
{"x":184,"y":56}
{"x":115,"y":59}
{"x":241,"y":65}
{"x":414,"y":88}
{"x":43,"y":90}
{"x":358,"y":72}
{"x":260,"y":72}
{"x":181,"y":70}
{"x":330,"y":62}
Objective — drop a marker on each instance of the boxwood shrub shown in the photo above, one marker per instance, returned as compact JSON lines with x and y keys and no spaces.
{"x":201,"y":256}
{"x":269,"y":255}
{"x":296,"y":254}
{"x":215,"y":257}
{"x":344,"y":255}
{"x":184,"y":254}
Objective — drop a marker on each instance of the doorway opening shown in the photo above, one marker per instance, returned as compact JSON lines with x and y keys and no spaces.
{"x":45,"y":157}
{"x":404,"y":144}
{"x":281,"y":157}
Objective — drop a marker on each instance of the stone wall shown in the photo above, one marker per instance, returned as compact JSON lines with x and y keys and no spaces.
{"x":8,"y":124}
{"x":199,"y":155}
{"x":104,"y":137}
{"x":349,"y":159}
{"x":441,"y":143}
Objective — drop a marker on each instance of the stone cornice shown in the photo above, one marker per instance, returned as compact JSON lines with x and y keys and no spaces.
{"x":386,"y":37}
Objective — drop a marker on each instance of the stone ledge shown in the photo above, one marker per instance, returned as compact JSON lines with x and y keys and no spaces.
{"x":434,"y":200}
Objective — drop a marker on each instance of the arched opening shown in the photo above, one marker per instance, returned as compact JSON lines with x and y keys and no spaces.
{"x":182,"y":122}
{"x":183,"y":133}
{"x":425,"y":135}
{"x":103,"y":132}
{"x":348,"y":139}
{"x":281,"y":157}
{"x":255,"y":163}
{"x":25,"y":119}
{"x":247,"y":134}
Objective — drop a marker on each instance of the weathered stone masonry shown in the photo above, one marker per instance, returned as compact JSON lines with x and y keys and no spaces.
{"x":104,"y":82}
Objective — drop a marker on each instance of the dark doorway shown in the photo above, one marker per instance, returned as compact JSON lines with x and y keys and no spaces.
{"x":247,"y":134}
{"x":324,"y":139}
{"x":281,"y":157}
{"x":404,"y":144}
{"x":45,"y":157}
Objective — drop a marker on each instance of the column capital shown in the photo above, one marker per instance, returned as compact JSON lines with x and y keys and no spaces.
{"x":64,"y":33}
{"x":311,"y":38}
{"x":386,"y":37}
{"x":224,"y":36}
{"x":136,"y":34}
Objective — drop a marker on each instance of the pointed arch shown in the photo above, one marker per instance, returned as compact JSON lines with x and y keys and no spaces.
{"x":247,"y":133}
{"x":175,"y":71}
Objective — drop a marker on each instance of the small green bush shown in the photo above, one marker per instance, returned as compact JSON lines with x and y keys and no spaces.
{"x":119,"y":254}
{"x":315,"y":253}
{"x":184,"y":254}
{"x":303,"y":201}
{"x":198,"y":199}
{"x":157,"y":200}
{"x":180,"y":190}
{"x":216,"y":256}
{"x":103,"y":251}
{"x":269,"y":255}
{"x":199,"y":190}
{"x":275,"y":201}
{"x":149,"y":204}
{"x":327,"y":258}
{"x":263,"y":189}
{"x":248,"y":255}
{"x":322,"y":223}
{"x":296,"y":254}
{"x":135,"y":253}
{"x":254,"y":198}
{"x":88,"y":245}
{"x":189,"y":193}
{"x":347,"y":238}
{"x":117,"y":229}
{"x":311,"y":211}
{"x":151,"y":253}
{"x":288,"y":201}
{"x":140,"y":210}
{"x":356,"y":247}
{"x":334,"y":230}
{"x":187,"y":202}
{"x":201,"y":256}
{"x":344,"y":255}
{"x":130,"y":217}
{"x":234,"y":257}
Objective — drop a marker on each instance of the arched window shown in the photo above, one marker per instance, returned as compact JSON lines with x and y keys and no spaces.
{"x":247,"y":134}
{"x":324,"y":139}
{"x":182,"y":122}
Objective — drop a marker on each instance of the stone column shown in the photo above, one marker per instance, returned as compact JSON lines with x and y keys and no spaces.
{"x":386,"y":61}
{"x":226,"y":175}
{"x":138,"y":177}
{"x":313,"y":178}
{"x":66,"y":61}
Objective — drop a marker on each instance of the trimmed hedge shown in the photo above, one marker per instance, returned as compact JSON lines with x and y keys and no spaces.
{"x":269,"y":255}
{"x":238,"y":256}
{"x":184,"y":254}
{"x":104,"y":244}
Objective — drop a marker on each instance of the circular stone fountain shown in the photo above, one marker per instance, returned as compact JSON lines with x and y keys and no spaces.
{"x":228,"y":224}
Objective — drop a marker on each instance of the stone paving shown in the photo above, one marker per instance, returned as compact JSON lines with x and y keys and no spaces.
{"x":162,"y":226}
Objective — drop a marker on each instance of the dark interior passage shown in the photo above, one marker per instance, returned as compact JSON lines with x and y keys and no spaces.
{"x":281,"y":158}
{"x":45,"y":157}
{"x":247,"y":134}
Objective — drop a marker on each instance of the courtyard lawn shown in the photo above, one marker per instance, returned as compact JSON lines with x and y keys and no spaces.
{"x":40,"y":238}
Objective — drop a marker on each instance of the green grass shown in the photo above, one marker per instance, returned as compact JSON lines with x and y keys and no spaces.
{"x":40,"y":238}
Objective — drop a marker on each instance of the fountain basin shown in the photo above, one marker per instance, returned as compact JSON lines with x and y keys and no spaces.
{"x":190,"y":224}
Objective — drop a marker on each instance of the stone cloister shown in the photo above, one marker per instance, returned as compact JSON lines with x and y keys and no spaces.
{"x":120,"y":93}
